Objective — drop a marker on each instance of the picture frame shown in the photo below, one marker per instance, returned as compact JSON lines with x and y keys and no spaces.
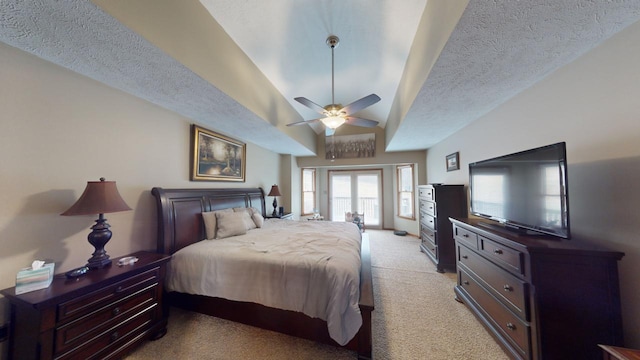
{"x":350,"y":146}
{"x":453,"y":161}
{"x":215,"y":157}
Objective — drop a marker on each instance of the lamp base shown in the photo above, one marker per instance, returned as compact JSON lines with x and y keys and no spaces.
{"x":99,"y":237}
{"x":275,"y":206}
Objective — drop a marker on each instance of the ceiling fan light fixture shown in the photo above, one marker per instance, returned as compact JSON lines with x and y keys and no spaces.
{"x":333,"y":122}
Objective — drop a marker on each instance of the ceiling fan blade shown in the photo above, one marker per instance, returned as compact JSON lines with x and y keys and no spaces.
{"x":303,"y":122}
{"x":329,"y":131}
{"x":310,"y":104}
{"x":356,"y":121}
{"x":358,"y":105}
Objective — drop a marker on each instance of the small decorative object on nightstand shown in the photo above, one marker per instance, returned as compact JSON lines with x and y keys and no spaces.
{"x":274,"y":192}
{"x":99,"y":197}
{"x":284,"y":216}
{"x":103,"y":314}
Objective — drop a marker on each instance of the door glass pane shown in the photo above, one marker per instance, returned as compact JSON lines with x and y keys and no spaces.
{"x":368,"y":202}
{"x":340,"y":196}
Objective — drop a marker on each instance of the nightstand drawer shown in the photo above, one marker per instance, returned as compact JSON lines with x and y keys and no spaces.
{"x":113,"y":336}
{"x":93,"y":324}
{"x":88,"y":303}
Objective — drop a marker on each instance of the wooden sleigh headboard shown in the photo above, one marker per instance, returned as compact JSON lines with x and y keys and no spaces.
{"x":179,"y":212}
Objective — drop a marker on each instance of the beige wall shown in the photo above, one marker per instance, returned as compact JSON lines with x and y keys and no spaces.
{"x":59,"y":130}
{"x":591,"y":104}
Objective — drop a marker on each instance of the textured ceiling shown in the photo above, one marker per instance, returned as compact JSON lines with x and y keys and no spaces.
{"x":496,"y":50}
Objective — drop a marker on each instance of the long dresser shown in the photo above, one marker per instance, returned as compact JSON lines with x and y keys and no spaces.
{"x":540,"y":297}
{"x":437,"y":204}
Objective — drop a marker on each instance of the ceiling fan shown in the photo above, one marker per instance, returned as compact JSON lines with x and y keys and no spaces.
{"x":335,"y":114}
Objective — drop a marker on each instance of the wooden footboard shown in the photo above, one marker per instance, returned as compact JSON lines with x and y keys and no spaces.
{"x":180,"y":224}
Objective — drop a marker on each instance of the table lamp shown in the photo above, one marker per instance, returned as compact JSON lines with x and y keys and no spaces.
{"x":99,"y":197}
{"x":274,"y":192}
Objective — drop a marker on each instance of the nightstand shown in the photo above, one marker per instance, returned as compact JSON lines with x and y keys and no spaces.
{"x":286,"y":216}
{"x":104,"y":313}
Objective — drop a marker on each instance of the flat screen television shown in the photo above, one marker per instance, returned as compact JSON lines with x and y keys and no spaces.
{"x":525,"y":191}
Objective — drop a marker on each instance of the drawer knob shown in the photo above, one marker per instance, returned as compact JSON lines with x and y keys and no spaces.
{"x":465,"y":282}
{"x":116,"y":311}
{"x":507,"y":288}
{"x":465,"y":235}
{"x":118,"y":289}
{"x":115,"y":336}
{"x":497,"y":251}
{"x":510,"y":326}
{"x":465,"y":257}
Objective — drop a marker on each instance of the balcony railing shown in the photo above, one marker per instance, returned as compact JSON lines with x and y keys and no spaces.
{"x":367,"y":205}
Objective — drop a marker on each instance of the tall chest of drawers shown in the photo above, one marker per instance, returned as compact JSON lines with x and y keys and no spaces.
{"x":540,"y":297}
{"x":437,"y":204}
{"x":102,"y":314}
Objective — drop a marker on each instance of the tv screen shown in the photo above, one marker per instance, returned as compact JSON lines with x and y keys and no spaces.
{"x":526,"y":190}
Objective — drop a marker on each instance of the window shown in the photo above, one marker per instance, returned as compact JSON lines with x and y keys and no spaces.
{"x":405,"y":191}
{"x":308,"y":191}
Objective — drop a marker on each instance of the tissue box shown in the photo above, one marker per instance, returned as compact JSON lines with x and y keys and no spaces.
{"x":29,"y":279}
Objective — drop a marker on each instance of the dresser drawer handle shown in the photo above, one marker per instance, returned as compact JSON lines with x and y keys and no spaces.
{"x":497,"y":252}
{"x":465,"y":257}
{"x":119,"y":289}
{"x":465,"y":235}
{"x":465,"y":282}
{"x":115,"y":336}
{"x":116,"y":311}
{"x":510,"y":326}
{"x":507,"y":288}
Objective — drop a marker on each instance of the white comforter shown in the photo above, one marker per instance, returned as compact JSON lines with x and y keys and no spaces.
{"x":311,"y":267}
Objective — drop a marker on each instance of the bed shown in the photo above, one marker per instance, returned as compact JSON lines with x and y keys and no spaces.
{"x":180,"y":224}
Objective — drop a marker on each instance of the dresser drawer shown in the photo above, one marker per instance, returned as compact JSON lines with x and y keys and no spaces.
{"x":114,"y":336}
{"x":512,"y":259}
{"x":428,"y":207}
{"x":467,"y":237}
{"x":428,"y":221}
{"x":430,"y":246}
{"x":91,"y":302}
{"x":93,"y":324}
{"x":512,"y":328}
{"x":509,"y":289}
{"x":426,"y":193}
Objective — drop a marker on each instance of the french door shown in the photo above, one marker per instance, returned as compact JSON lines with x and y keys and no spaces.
{"x":356,"y":191}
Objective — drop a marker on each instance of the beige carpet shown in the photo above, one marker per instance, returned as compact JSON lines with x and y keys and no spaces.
{"x":415,"y":317}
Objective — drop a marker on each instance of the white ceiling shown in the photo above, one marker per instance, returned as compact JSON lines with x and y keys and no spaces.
{"x":388,"y":47}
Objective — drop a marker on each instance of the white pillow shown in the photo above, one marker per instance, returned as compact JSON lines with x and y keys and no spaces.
{"x":210,"y":223}
{"x":250,"y":220}
{"x":247,"y":219}
{"x":231,"y":224}
{"x":258,"y":219}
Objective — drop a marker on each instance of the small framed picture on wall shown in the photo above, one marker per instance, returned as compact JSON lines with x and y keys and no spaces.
{"x":453,"y":161}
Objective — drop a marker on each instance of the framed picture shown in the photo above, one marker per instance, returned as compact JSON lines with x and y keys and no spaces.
{"x":350,"y":146}
{"x":453,"y":161}
{"x":215,"y":157}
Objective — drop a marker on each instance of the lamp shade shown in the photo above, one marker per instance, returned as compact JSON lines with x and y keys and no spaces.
{"x":274,"y":191}
{"x":99,"y":197}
